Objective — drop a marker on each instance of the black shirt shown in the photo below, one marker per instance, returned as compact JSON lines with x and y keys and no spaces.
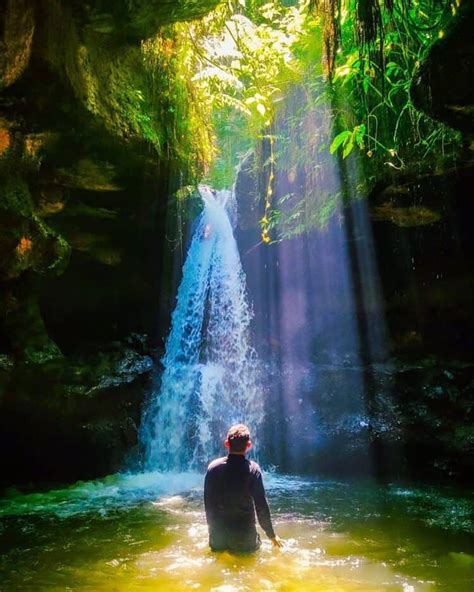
{"x":233,"y":491}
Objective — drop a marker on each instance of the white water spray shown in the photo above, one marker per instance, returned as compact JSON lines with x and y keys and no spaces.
{"x":210,"y":377}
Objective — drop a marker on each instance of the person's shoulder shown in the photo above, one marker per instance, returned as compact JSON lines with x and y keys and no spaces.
{"x":217,"y":462}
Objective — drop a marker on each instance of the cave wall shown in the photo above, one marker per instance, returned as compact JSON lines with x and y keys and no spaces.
{"x":365,"y":316}
{"x":360,"y":381}
{"x":86,"y":179}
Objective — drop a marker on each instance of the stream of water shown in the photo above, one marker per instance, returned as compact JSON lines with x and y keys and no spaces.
{"x":210,"y":369}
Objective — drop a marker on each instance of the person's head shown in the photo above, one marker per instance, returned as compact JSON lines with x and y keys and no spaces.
{"x":238,"y":439}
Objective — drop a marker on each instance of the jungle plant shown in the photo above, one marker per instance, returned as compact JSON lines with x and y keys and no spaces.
{"x":224,"y":80}
{"x":183,"y":111}
{"x":374,"y":76}
{"x":244,"y":63}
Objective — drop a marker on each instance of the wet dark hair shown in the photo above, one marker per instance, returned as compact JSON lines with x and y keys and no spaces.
{"x":238,"y":437}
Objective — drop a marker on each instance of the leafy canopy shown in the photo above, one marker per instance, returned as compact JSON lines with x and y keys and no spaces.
{"x":233,"y":71}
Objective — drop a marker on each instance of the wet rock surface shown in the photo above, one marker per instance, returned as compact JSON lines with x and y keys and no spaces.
{"x":81,"y":225}
{"x":396,"y":420}
{"x":84,"y":195}
{"x":74,"y":417}
{"x":412,"y":420}
{"x":396,"y":401}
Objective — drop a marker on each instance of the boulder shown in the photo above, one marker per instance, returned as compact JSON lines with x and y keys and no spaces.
{"x":73,"y":418}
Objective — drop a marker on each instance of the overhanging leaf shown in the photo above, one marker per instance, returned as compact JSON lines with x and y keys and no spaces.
{"x":339,"y":140}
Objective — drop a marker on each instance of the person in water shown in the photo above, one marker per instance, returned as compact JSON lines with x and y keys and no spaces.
{"x":233,"y":492}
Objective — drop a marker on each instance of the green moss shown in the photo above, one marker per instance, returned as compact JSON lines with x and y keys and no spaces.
{"x":90,"y":175}
{"x":114,"y":87}
{"x":108,"y":78}
{"x":15,"y":195}
{"x":181,"y":106}
{"x":141,"y":92}
{"x":138,"y":92}
{"x":55,"y":250}
{"x":21,"y":317}
{"x":139,"y":19}
{"x":26,"y":242}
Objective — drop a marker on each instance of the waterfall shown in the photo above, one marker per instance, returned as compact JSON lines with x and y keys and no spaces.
{"x":210,"y":369}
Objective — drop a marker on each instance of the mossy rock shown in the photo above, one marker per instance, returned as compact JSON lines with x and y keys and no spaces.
{"x":16,"y":41}
{"x":26,"y":242}
{"x":405,"y":216}
{"x":22,"y":320}
{"x":443,"y":85}
{"x":89,"y":175}
{"x":15,"y":196}
{"x":138,"y":19}
{"x":108,"y":77}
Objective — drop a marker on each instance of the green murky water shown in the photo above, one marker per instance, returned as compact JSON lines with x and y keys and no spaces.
{"x":147,"y":532}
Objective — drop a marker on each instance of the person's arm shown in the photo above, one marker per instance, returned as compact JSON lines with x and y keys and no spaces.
{"x":261,"y":507}
{"x":207,"y":497}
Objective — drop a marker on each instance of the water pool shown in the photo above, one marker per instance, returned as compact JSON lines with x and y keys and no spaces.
{"x":147,"y":532}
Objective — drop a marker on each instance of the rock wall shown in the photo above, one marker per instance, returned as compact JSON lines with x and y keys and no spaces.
{"x":366,"y":332}
{"x":441,"y":87}
{"x":365,"y":314}
{"x":86,"y":178}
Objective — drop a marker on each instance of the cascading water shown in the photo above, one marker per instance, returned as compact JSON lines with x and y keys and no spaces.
{"x":210,"y":377}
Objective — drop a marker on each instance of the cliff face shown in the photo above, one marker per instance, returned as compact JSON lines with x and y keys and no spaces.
{"x":86,"y":171}
{"x":368,"y":306}
{"x":366,"y":327}
{"x":441,"y":87}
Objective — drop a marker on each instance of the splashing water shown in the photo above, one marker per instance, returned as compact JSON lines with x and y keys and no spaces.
{"x":210,"y":377}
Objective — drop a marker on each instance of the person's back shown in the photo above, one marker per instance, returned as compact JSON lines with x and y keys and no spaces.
{"x":233,"y":491}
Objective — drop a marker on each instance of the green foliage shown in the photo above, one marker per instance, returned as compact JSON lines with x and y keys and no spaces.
{"x":364,"y":111}
{"x":233,"y":141}
{"x":248,"y":55}
{"x":292,"y":217}
{"x":244,"y":63}
{"x":372,"y":89}
{"x":181,"y":107}
{"x":348,"y":139}
{"x":113,"y":85}
{"x":222,"y":85}
{"x":137,"y":91}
